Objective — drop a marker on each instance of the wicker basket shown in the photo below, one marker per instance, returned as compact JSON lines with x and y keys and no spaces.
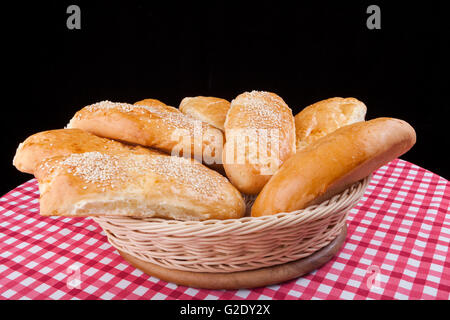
{"x":236,"y":244}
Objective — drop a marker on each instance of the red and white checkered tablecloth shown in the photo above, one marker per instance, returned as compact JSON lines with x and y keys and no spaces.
{"x":397,"y":247}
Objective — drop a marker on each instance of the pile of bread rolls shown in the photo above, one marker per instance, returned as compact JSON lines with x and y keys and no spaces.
{"x":196,"y":162}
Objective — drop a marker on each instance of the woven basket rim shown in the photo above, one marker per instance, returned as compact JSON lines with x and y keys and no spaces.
{"x":244,"y":220}
{"x":230,"y":245}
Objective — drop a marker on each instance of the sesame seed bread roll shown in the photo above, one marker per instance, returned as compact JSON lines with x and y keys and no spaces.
{"x":260,"y":136}
{"x":154,"y":125}
{"x":326,"y":116}
{"x":207,"y":109}
{"x":134,"y":185}
{"x":331,"y":164}
{"x":60,"y":142}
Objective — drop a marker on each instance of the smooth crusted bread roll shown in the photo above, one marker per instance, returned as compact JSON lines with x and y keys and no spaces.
{"x":97,"y":184}
{"x":260,"y":136}
{"x":155,"y":125}
{"x":333,"y":163}
{"x":60,"y":142}
{"x":156,"y":103}
{"x":207,"y":109}
{"x":326,"y":116}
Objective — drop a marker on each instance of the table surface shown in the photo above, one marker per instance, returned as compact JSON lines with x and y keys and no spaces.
{"x":397,"y":247}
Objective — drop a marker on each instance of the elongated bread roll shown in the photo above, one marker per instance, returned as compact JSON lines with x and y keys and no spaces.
{"x":150,"y":185}
{"x":60,"y":142}
{"x":207,"y":109}
{"x":260,"y":136}
{"x":153,"y":103}
{"x":333,"y":163}
{"x":155,"y":125}
{"x":326,"y":116}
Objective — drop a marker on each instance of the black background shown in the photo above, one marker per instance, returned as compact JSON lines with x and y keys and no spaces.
{"x":304,"y":51}
{"x":279,"y":309}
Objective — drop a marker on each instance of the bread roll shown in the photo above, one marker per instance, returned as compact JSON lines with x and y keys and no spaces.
{"x":333,"y":163}
{"x":207,"y":109}
{"x":326,"y":116}
{"x":260,"y":136}
{"x":153,"y":103}
{"x":150,"y":185}
{"x":156,"y":125}
{"x":61,"y":142}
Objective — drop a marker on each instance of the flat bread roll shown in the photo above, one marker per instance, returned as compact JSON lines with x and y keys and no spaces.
{"x":153,"y":125}
{"x":60,"y":142}
{"x":207,"y":109}
{"x":326,"y":116}
{"x":331,"y":164}
{"x":260,"y":136}
{"x":134,"y":185}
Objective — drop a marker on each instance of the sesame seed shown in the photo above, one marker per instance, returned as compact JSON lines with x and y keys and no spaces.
{"x":109,"y":171}
{"x":163,"y":113}
{"x":264,"y":108}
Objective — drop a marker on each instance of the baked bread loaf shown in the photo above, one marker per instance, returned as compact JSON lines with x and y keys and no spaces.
{"x":153,"y":103}
{"x":333,"y":163}
{"x":207,"y":109}
{"x":326,"y":116}
{"x":155,"y":125}
{"x":62,"y":142}
{"x":135,"y":185}
{"x":260,"y":136}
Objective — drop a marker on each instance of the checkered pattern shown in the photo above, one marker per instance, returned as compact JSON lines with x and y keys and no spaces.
{"x":397,"y":248}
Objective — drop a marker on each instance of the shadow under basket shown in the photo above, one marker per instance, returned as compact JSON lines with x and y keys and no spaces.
{"x":235,"y":253}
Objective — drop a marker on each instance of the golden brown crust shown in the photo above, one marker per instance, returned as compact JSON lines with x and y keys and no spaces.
{"x":332,"y":163}
{"x":260,"y":136}
{"x":137,"y":185}
{"x":326,"y":116}
{"x":156,"y":125}
{"x":62,"y":142}
{"x":151,"y":102}
{"x":207,"y":109}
